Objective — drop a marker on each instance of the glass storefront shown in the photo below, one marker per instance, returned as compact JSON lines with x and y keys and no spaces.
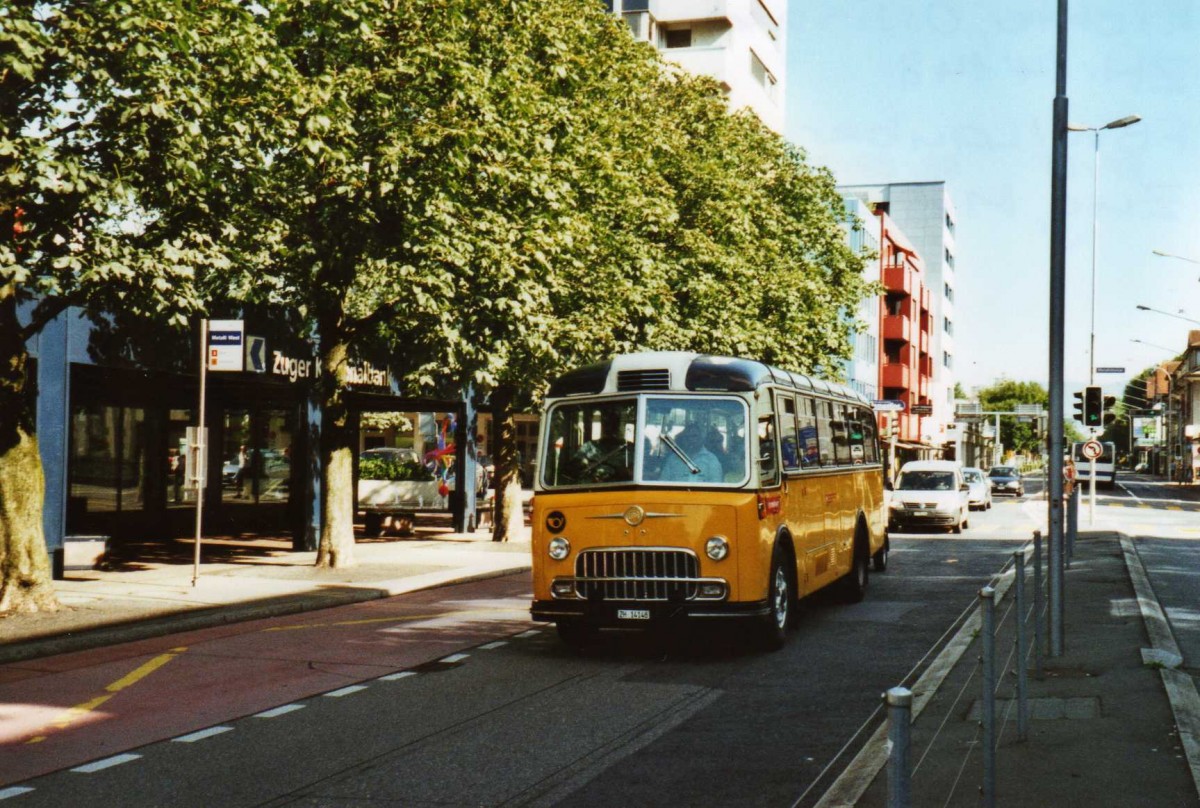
{"x":108,"y":458}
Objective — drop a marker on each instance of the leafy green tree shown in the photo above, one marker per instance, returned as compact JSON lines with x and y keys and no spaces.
{"x":121,"y":126}
{"x":1005,"y":395}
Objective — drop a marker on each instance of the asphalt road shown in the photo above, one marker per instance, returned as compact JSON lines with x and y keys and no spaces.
{"x":459,"y":700}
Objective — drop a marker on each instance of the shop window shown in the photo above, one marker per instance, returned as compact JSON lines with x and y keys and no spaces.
{"x":175,"y":484}
{"x":108,"y":458}
{"x":256,"y":456}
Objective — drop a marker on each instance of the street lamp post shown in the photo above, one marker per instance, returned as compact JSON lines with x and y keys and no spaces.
{"x":1140,"y":307}
{"x":1120,"y":123}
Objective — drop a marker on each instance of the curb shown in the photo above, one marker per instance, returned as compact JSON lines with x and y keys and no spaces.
{"x":209,"y":617}
{"x":1181,"y":689}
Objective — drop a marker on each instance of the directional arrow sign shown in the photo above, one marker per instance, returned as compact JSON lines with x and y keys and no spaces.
{"x":256,"y":354}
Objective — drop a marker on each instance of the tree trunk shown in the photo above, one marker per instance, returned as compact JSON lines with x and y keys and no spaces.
{"x":25,"y":577}
{"x":336,"y":548}
{"x":509,"y":518}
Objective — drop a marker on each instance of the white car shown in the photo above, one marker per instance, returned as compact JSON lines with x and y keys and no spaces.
{"x":979,"y":498}
{"x":929,"y":493}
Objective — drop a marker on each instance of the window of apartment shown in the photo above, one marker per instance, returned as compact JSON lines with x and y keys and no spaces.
{"x":947,"y":359}
{"x":762,"y":75}
{"x":635,"y":5}
{"x":949,"y":293}
{"x":640,"y":25}
{"x":949,"y":224}
{"x":947,"y":326}
{"x":949,"y":258}
{"x":677,"y":38}
{"x":762,"y":16}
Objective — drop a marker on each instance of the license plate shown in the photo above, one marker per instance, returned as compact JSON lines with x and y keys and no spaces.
{"x":920,"y":513}
{"x":633,"y":614}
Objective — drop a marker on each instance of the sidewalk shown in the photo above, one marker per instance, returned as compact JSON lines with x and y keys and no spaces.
{"x":1102,"y":729}
{"x":146,"y":590}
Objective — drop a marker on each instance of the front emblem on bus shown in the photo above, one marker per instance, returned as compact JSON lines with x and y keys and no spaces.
{"x":634,"y":515}
{"x":555,"y":521}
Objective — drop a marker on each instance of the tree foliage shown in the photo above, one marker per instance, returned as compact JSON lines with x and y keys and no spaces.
{"x":120,"y":125}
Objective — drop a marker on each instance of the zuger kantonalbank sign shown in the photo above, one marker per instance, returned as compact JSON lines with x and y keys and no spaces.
{"x":362,"y":373}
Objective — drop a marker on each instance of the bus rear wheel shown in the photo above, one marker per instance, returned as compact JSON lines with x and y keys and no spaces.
{"x":854,"y":585}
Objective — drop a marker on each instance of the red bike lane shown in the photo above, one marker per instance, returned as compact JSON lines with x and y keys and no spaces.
{"x":61,"y":711}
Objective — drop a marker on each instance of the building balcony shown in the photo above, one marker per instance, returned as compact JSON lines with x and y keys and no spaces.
{"x":669,"y":11}
{"x":924,"y":342}
{"x":896,"y":375}
{"x":897,"y":326}
{"x":923,"y":387}
{"x":898,"y":278}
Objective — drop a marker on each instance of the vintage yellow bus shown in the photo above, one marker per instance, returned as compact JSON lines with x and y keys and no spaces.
{"x":680,"y":486}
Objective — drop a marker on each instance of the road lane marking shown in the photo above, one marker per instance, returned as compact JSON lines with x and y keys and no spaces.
{"x":1130,"y":492}
{"x":107,"y":763}
{"x":15,"y":791}
{"x":494,"y":645}
{"x":278,"y":711}
{"x":392,"y":677}
{"x":452,"y":658}
{"x":136,"y":675}
{"x":345,"y":691}
{"x":525,"y":635}
{"x":201,"y":735}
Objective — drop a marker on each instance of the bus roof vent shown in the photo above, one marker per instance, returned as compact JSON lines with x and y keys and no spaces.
{"x":650,"y":379}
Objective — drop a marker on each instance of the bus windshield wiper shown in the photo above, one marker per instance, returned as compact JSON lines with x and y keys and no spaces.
{"x":687,"y":461}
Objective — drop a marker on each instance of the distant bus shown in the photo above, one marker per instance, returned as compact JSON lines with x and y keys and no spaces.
{"x":1106,"y":465}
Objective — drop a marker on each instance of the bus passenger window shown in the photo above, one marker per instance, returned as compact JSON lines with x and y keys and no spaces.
{"x":768,"y":469}
{"x":810,"y":452}
{"x":787,"y":432}
{"x":825,"y":432}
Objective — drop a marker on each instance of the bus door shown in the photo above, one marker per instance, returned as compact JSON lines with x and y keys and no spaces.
{"x":802,"y":508}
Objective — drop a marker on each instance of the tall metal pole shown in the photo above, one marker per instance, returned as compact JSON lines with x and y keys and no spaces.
{"x":1095,"y":196}
{"x":1058,"y":285}
{"x":201,"y":451}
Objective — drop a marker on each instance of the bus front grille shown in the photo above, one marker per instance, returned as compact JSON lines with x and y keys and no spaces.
{"x":637,"y":574}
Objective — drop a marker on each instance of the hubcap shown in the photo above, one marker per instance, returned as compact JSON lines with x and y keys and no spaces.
{"x":781,"y":597}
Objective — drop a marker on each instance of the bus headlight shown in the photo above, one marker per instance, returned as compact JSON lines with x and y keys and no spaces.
{"x":559,"y":548}
{"x":716,"y":548}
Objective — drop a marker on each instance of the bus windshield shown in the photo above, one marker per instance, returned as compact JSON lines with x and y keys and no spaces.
{"x":682,"y":441}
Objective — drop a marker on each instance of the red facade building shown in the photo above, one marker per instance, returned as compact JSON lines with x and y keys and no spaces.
{"x":905,"y":321}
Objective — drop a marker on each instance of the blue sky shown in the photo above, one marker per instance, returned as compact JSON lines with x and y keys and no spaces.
{"x":905,"y":91}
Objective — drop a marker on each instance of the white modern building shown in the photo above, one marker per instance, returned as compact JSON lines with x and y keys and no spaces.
{"x":740,"y":43}
{"x":926,"y":214}
{"x":862,"y":234}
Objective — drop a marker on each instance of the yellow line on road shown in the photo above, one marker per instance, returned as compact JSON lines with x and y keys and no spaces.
{"x":70,"y":716}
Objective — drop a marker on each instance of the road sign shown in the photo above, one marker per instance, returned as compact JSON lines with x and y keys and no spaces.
{"x":225,"y":350}
{"x":1091,"y":449}
{"x":1110,"y":370}
{"x":887,"y":405}
{"x":256,"y":354}
{"x":921,"y":409}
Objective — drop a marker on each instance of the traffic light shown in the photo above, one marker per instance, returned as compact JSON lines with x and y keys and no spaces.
{"x":1079,"y":406}
{"x":1093,"y":407}
{"x":1110,"y":410}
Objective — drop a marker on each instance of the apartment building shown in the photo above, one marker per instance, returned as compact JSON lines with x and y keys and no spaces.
{"x":740,"y":43}
{"x":862,"y":228}
{"x":926,"y":215}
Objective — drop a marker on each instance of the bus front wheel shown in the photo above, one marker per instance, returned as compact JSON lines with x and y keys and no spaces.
{"x":779,"y":601}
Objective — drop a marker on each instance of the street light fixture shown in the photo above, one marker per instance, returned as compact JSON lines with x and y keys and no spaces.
{"x":1169,"y":314}
{"x":1152,"y":345}
{"x":1173,"y":255}
{"x":1119,"y":123}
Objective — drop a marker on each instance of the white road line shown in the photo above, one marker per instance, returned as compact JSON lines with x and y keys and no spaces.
{"x":15,"y":791}
{"x":391,"y":677}
{"x":525,"y":635}
{"x":201,"y":735}
{"x":1130,"y":493}
{"x":453,"y":658}
{"x":98,"y":765}
{"x":278,"y":711}
{"x":345,"y":691}
{"x":494,"y":645}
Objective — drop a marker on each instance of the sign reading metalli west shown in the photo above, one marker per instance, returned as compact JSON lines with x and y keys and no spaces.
{"x":225,"y":352}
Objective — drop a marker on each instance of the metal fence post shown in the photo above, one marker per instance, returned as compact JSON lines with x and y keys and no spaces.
{"x":899,"y":767}
{"x":1038,"y":605}
{"x":1022,"y":646}
{"x":987,"y":596}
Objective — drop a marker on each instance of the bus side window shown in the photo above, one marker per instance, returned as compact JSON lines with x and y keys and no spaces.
{"x":786,"y":407}
{"x":810,"y":452}
{"x":768,"y":469}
